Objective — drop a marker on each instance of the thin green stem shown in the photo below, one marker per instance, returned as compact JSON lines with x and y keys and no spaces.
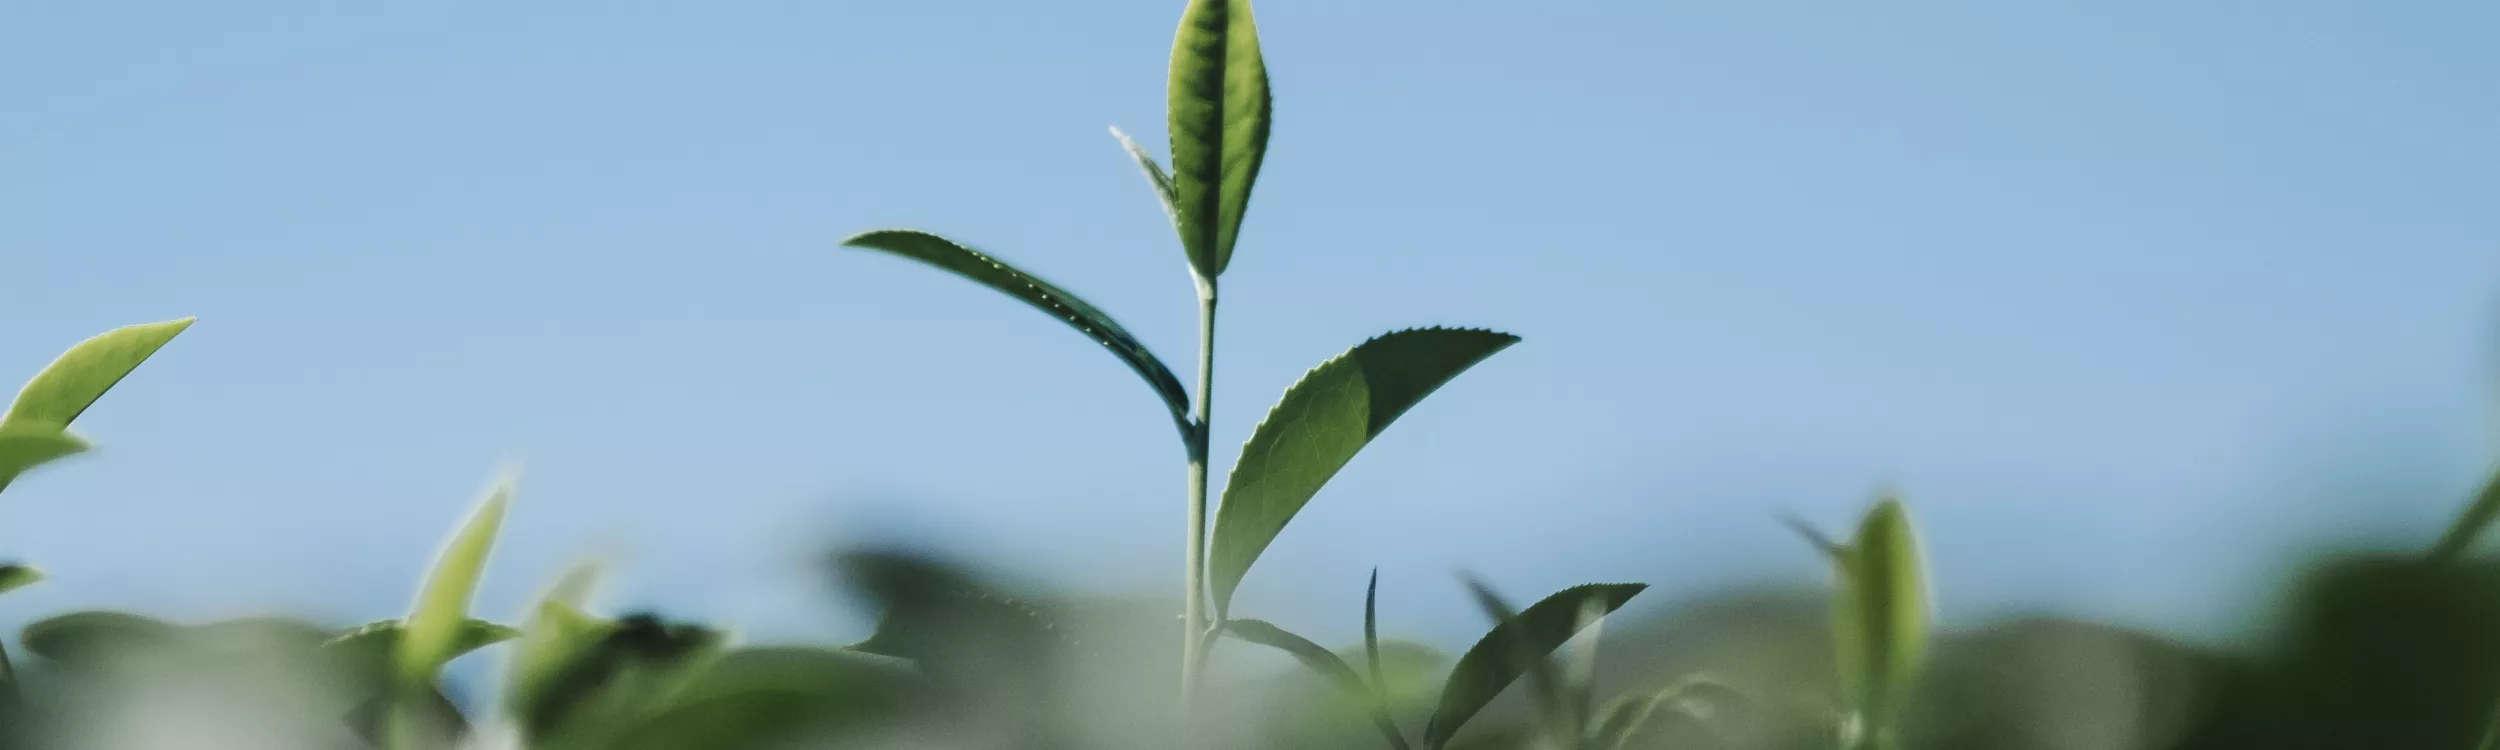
{"x":1194,"y":619}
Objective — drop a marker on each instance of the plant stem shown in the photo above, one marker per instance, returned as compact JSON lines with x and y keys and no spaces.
{"x":1194,"y":619}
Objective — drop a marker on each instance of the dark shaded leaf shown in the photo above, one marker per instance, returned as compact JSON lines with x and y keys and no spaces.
{"x":1495,"y":661}
{"x":14,"y":577}
{"x":996,"y":274}
{"x":1318,"y":426}
{"x":771,"y":697}
{"x":2469,"y":525}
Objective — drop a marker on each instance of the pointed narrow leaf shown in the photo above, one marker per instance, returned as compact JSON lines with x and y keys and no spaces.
{"x":1880,"y":617}
{"x":1535,"y":663}
{"x":442,"y":606}
{"x":65,"y":389}
{"x":1493,"y":664}
{"x":14,"y":577}
{"x":1319,"y":425}
{"x":1371,"y":638}
{"x":372,"y":648}
{"x":2470,"y":525}
{"x":1327,"y":664}
{"x":996,"y":274}
{"x":1219,"y":109}
{"x":1161,"y":180}
{"x":27,"y":448}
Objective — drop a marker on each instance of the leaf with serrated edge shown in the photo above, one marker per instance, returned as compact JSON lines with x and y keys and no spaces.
{"x":1880,"y":617}
{"x":1068,"y":308}
{"x":1492,"y":664}
{"x":434,"y":623}
{"x":27,"y":448}
{"x":1219,"y":110}
{"x":1318,"y":426}
{"x":1155,"y":176}
{"x":65,"y":389}
{"x":1326,"y":663}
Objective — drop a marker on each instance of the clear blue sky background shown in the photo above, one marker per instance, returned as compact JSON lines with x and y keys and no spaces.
{"x":2132,"y":299}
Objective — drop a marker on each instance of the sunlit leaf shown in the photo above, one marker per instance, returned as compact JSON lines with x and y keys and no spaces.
{"x":1318,"y":426}
{"x":1068,"y":308}
{"x":1327,"y":664}
{"x":1219,"y":113}
{"x":1880,"y":615}
{"x":65,"y":389}
{"x":26,"y":448}
{"x":373,"y":647}
{"x":1496,"y":660}
{"x":1155,"y":176}
{"x":435,"y":624}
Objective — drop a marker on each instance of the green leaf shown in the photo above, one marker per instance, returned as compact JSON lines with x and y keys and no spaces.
{"x":1161,"y":180}
{"x":1880,"y":618}
{"x":23,"y":449}
{"x":434,"y":624}
{"x":1371,"y":639}
{"x":1327,"y":664}
{"x":1318,"y":426}
{"x":372,"y":648}
{"x":770,"y":697}
{"x":996,"y":274}
{"x":70,"y":384}
{"x":1544,"y":681}
{"x":1496,"y":660}
{"x":2469,"y":526}
{"x":83,"y":637}
{"x":1219,"y":109}
{"x":580,"y":679}
{"x":14,"y":577}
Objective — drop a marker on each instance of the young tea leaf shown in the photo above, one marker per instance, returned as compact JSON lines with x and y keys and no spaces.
{"x":27,"y":448}
{"x":1880,"y":617}
{"x":1495,"y":661}
{"x":374,"y":647}
{"x":1328,"y":665}
{"x":1155,"y":176}
{"x":65,"y":389}
{"x":1318,"y":426}
{"x":14,"y":577}
{"x":434,"y":624}
{"x":1219,"y":110}
{"x":996,"y":274}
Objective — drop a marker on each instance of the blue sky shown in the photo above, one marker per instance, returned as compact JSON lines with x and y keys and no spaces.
{"x":2130,"y":299}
